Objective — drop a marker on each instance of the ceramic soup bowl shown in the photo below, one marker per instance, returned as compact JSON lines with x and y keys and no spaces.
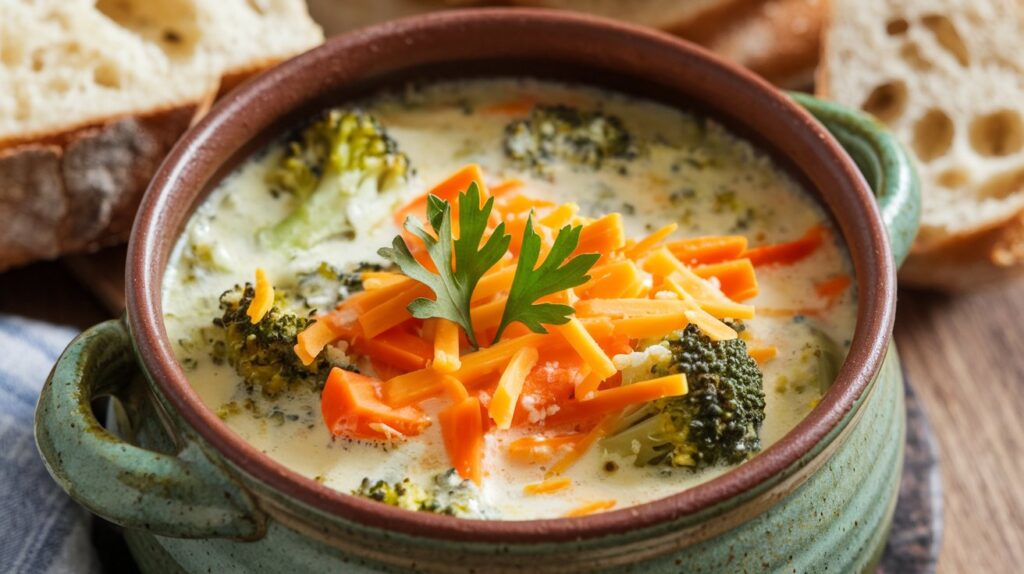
{"x":192,"y":496}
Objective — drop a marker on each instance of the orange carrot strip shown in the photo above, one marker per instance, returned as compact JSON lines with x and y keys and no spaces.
{"x":615,"y":399}
{"x":580,"y":447}
{"x":449,"y":190}
{"x":559,"y":216}
{"x":642,"y":247}
{"x":454,"y":388}
{"x":581,"y":340}
{"x":424,"y":383}
{"x":522,"y":204}
{"x":602,"y":236}
{"x":314,"y":338}
{"x":710,"y":325}
{"x":392,"y":312}
{"x":350,"y":407}
{"x":629,"y":307}
{"x":494,"y":282}
{"x":612,"y":280}
{"x":538,"y":449}
{"x":790,"y":252}
{"x":369,"y":299}
{"x":510,"y":385}
{"x":548,"y":486}
{"x":263,"y":299}
{"x":506,"y":186}
{"x":373,"y":280}
{"x":763,"y":354}
{"x":591,"y":508}
{"x":719,"y":309}
{"x":446,"y":346}
{"x":735,"y":278}
{"x":831,"y":289}
{"x":588,"y":385}
{"x":709,"y":249}
{"x":646,"y":326}
{"x":463,"y":432}
{"x":395,"y":348}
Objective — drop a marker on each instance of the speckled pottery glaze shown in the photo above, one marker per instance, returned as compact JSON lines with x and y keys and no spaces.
{"x":194,"y":497}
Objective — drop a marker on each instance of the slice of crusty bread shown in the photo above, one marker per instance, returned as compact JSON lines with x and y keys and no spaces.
{"x":93,"y":93}
{"x":947,"y":77}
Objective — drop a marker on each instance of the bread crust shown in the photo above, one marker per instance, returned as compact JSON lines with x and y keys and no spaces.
{"x":969,"y":260}
{"x":77,"y":190}
{"x":963,"y":261}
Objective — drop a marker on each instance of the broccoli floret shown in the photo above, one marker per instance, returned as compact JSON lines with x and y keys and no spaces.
{"x":263,"y":353}
{"x":343,"y":154}
{"x":447,"y":494}
{"x":326,"y":286}
{"x":717,"y":422}
{"x":584,"y":138}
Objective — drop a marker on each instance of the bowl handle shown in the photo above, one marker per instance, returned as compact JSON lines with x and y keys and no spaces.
{"x":886,"y":166}
{"x":182,"y":495}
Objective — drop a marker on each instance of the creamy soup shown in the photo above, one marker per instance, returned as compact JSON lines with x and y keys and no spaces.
{"x":680,"y":168}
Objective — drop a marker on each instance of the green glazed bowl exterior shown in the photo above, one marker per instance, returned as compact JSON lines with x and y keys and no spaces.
{"x":193,"y":499}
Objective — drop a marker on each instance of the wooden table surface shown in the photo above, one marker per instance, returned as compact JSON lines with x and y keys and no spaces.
{"x":964,"y":356}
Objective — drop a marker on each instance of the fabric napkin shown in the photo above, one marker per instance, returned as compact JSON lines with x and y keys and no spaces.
{"x":41,"y":529}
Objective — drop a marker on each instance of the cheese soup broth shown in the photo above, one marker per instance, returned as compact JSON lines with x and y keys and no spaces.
{"x":690,"y":171}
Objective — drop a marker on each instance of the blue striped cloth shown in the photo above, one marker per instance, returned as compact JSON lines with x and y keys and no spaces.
{"x":41,"y":529}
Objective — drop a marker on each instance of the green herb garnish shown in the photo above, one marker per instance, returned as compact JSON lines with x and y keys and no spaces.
{"x":557,"y":273}
{"x":452,"y":285}
{"x":462,"y":262}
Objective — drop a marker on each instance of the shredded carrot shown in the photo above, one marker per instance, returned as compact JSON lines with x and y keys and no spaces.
{"x":425,"y":383}
{"x":392,"y":312}
{"x":373,"y":280}
{"x":646,"y":326}
{"x":587,"y":385}
{"x":540,"y":449}
{"x":446,"y":346}
{"x":629,"y":307}
{"x":721,"y":309}
{"x":506,"y":186}
{"x":559,"y":216}
{"x":548,"y":486}
{"x":580,"y":447}
{"x":603,"y":236}
{"x":462,"y":429}
{"x":506,"y":394}
{"x":763,"y":354}
{"x":449,"y":190}
{"x":454,"y":388}
{"x":591,"y":508}
{"x":396,"y":348}
{"x":313,"y":339}
{"x":613,"y":400}
{"x":617,"y":279}
{"x":263,"y":299}
{"x":705,"y":250}
{"x":580,"y":339}
{"x":710,"y":325}
{"x":735,"y":278}
{"x":642,"y":247}
{"x":351,"y":406}
{"x":832,"y":289}
{"x":493,"y":282}
{"x":787,"y":253}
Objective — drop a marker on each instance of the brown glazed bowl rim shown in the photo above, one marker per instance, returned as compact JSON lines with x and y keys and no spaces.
{"x":509,"y":34}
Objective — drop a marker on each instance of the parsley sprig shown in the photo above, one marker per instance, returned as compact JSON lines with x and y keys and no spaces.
{"x":555,"y":274}
{"x":461,"y":263}
{"x":452,"y":285}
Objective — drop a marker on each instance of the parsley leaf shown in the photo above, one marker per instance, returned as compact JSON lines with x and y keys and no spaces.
{"x":554,"y":275}
{"x":452,"y":285}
